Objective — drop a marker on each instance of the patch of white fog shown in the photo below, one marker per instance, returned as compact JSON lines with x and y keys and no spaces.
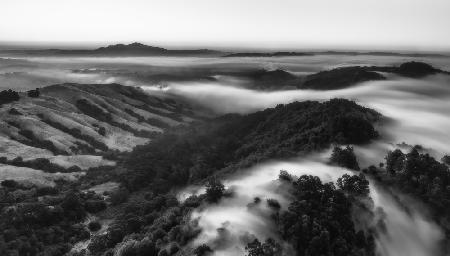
{"x":408,"y":231}
{"x":229,"y":225}
{"x":417,"y":113}
{"x":417,"y":109}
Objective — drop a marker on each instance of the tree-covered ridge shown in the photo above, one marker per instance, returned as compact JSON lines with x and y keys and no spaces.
{"x":235,"y":141}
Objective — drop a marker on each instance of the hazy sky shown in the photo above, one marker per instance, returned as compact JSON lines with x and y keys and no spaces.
{"x":364,"y":24}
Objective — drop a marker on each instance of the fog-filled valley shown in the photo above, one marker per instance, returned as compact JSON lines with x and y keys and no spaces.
{"x":321,"y":154}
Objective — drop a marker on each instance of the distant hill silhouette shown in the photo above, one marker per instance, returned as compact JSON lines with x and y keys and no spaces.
{"x":133,"y":49}
{"x":269,"y":54}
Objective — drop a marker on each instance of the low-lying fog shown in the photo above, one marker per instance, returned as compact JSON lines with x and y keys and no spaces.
{"x":416,"y":111}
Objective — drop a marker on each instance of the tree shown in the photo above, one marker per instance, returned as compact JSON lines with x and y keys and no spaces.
{"x":119,"y":196}
{"x":446,"y":159}
{"x":33,"y":93}
{"x":356,"y":185}
{"x":395,"y":161}
{"x":344,"y":158}
{"x":274,"y":204}
{"x":202,"y":250}
{"x":284,"y":176}
{"x":214,"y":190}
{"x":269,"y":248}
{"x":94,"y":226}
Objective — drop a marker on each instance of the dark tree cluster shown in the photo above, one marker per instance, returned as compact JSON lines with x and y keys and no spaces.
{"x":39,"y":164}
{"x":421,"y":176}
{"x":33,"y":93}
{"x":46,"y":226}
{"x":319,"y":220}
{"x":269,"y":248}
{"x":214,"y":190}
{"x":158,"y":224}
{"x":7,"y":96}
{"x":354,"y":185}
{"x":14,"y":112}
{"x":344,"y":157}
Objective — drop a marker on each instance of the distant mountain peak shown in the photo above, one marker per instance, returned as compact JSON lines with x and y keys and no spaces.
{"x":134,"y":47}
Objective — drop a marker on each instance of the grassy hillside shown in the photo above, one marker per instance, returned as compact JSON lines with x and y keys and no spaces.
{"x":75,"y":124}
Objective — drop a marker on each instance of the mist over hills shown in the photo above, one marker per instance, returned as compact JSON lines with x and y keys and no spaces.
{"x":155,"y":167}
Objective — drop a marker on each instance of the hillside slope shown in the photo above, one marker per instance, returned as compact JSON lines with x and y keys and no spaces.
{"x":235,"y":141}
{"x":84,"y":120}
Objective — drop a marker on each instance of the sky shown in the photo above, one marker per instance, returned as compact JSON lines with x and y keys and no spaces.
{"x":284,"y":24}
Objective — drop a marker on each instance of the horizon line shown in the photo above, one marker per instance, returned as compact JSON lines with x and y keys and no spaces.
{"x":229,"y":46}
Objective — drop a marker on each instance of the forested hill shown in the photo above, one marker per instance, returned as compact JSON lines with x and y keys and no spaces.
{"x":235,"y":141}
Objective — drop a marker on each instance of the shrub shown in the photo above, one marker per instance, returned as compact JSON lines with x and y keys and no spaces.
{"x":94,"y":206}
{"x":102,"y":131}
{"x":202,"y":250}
{"x":8,"y":96}
{"x":14,"y":111}
{"x":9,"y":183}
{"x":94,"y":226}
{"x":214,"y":190}
{"x":33,"y":93}
{"x":119,"y":196}
{"x":285,"y":176}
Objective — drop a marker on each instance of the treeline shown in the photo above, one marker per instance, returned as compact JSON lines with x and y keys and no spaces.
{"x":39,"y":164}
{"x":234,"y":141}
{"x":8,"y":96}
